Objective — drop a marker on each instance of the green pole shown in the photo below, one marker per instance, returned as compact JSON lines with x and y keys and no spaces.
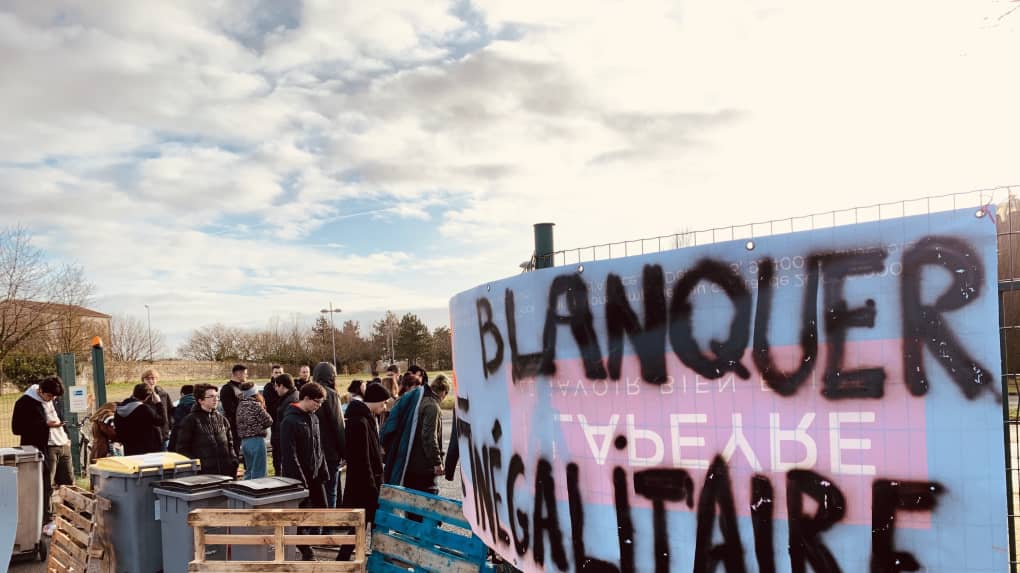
{"x":98,"y":372}
{"x":544,"y":245}
{"x":67,"y":373}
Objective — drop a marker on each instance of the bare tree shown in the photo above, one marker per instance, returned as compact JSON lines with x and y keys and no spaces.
{"x":129,"y":339}
{"x":24,"y":276}
{"x":73,"y":292}
{"x":219,"y":342}
{"x":40,"y":305}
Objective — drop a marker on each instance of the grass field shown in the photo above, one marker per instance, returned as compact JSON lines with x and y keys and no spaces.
{"x":118,"y":392}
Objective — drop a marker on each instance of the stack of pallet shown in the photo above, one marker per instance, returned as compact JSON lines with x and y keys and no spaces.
{"x":74,"y":542}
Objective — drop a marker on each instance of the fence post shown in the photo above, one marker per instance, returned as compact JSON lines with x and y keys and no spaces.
{"x":98,"y":372}
{"x":69,"y":374}
{"x":544,"y":245}
{"x":1007,"y":430}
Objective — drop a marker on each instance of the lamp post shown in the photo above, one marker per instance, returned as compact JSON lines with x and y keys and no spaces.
{"x":332,"y":329}
{"x":148,"y":316}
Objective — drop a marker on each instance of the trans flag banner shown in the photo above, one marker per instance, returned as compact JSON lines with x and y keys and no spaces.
{"x":824,"y":400}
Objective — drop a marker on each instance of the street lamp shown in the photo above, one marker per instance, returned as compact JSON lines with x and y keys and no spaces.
{"x":148,"y":315}
{"x":332,"y":329}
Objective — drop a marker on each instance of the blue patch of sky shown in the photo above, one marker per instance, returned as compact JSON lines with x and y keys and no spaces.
{"x":289,"y":184}
{"x":366,"y":226}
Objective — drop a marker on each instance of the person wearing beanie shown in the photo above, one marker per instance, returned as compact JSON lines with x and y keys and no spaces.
{"x":252,"y":422}
{"x":364,"y":456}
{"x":331,"y":426}
{"x":301,"y":450}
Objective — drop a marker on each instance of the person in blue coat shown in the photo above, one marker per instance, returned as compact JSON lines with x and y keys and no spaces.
{"x":397,"y":434}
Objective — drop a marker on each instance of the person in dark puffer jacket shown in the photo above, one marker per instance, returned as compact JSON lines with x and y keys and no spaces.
{"x":205,"y":435}
{"x":139,"y":420}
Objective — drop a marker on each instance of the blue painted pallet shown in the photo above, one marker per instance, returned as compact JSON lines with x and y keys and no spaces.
{"x":400,"y":545}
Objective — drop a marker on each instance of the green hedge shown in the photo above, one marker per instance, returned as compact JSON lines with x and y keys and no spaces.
{"x":23,"y":369}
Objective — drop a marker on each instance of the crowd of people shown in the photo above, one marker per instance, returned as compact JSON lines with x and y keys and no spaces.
{"x":384,"y":430}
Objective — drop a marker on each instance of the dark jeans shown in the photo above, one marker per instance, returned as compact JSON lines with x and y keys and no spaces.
{"x":316,"y":499}
{"x":420,"y":482}
{"x":56,"y":472}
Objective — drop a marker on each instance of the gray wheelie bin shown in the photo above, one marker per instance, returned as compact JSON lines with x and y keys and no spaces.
{"x":28,"y":462}
{"x":128,"y":481}
{"x":261,"y":493}
{"x":176,"y":498}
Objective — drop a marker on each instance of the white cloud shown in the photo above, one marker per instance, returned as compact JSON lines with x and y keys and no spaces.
{"x":186,"y":151}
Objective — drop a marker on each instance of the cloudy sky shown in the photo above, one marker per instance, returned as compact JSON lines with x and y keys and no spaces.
{"x":233,"y":161}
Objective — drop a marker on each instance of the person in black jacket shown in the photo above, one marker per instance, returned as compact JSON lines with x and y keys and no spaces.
{"x":331,"y":426}
{"x":364,"y":455}
{"x":301,"y":449}
{"x":32,"y":423}
{"x":286,"y":395}
{"x":151,"y":378}
{"x":138,"y":421}
{"x":204,"y":434}
{"x":230,"y":395}
{"x":269,"y":391}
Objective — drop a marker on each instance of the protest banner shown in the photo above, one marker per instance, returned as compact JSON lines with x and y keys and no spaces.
{"x":825,"y":400}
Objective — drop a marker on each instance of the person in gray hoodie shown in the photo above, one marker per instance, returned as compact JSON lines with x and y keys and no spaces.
{"x":331,"y":427}
{"x":139,"y":420}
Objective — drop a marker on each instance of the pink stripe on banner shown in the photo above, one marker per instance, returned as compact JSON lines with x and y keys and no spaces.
{"x":664,"y":426}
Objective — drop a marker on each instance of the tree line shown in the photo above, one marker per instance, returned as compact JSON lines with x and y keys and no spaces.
{"x":391,"y":339}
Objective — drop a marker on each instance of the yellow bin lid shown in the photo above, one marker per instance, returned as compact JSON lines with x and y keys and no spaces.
{"x":129,"y":465}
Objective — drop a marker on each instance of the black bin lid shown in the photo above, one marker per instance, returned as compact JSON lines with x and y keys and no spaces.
{"x":194,"y":484}
{"x":264,"y":487}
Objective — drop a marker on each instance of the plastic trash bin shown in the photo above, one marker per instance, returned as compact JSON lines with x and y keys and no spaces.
{"x":28,"y":462}
{"x":128,"y":483}
{"x":176,"y":498}
{"x":262,"y":493}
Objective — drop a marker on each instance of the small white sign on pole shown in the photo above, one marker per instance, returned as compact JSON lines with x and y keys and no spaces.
{"x":79,"y":399}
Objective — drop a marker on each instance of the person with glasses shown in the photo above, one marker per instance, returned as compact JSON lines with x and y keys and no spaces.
{"x":36,"y":421}
{"x":301,"y":452}
{"x":205,"y":434}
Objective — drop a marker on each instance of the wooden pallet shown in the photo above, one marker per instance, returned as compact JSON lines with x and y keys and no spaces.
{"x":279,"y":520}
{"x":74,"y":544}
{"x":442,"y":541}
